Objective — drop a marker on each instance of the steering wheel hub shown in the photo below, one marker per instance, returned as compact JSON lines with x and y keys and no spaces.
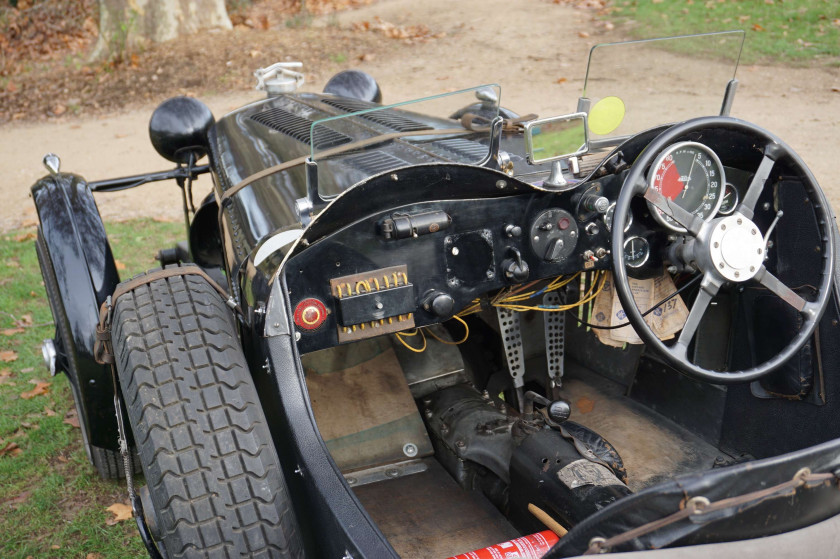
{"x":736,"y":248}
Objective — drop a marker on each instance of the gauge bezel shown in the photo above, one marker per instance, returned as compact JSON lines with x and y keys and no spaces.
{"x":737,"y":199}
{"x":655,"y":212}
{"x":647,"y":252}
{"x":608,"y":222}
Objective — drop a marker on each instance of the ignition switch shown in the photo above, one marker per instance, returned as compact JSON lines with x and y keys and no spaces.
{"x":595,"y":203}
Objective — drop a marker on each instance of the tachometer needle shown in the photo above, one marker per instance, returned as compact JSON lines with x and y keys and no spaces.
{"x":688,"y":178}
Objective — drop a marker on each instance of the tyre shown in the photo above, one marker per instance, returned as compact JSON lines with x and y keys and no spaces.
{"x":108,"y":463}
{"x":213,"y":477}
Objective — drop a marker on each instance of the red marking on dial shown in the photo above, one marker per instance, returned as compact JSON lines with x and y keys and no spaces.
{"x":670,"y":185}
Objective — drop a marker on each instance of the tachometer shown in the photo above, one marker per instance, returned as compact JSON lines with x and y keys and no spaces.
{"x":691,"y":175}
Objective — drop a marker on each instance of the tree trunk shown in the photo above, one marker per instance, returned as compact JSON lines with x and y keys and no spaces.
{"x":127,"y":24}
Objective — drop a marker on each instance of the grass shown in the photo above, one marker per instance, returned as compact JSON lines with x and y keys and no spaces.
{"x":52,"y":502}
{"x":789,"y":31}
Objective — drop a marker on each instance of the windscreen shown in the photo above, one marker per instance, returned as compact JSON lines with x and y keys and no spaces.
{"x":371,"y":139}
{"x":633,"y":86}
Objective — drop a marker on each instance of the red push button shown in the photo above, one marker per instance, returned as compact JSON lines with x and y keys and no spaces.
{"x":310,"y":314}
{"x":563,"y":224}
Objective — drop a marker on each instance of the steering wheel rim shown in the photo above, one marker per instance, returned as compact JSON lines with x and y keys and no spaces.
{"x":702,"y":231}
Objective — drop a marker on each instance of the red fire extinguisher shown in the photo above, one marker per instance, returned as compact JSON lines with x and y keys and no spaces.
{"x":527,"y":547}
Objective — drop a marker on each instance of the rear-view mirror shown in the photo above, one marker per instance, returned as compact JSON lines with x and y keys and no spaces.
{"x":559,"y":137}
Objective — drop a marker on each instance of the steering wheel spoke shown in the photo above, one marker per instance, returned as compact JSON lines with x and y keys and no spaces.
{"x":784,"y":292}
{"x":691,"y":222}
{"x":747,"y":205}
{"x":708,"y":290}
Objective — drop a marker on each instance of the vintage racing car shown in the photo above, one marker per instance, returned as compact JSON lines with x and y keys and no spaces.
{"x":428,"y":328}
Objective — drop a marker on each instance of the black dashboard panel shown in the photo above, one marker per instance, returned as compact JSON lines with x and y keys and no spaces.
{"x":488,"y":244}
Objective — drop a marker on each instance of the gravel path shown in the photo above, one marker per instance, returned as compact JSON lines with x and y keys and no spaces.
{"x":527,"y":50}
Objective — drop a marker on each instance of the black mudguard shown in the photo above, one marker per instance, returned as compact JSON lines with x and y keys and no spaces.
{"x":84,"y":267}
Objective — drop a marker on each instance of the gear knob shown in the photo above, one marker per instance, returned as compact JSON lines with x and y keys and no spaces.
{"x":559,"y":411}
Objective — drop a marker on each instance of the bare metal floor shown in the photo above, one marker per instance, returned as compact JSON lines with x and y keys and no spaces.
{"x":428,"y":516}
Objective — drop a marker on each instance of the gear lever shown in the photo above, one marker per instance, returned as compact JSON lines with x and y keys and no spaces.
{"x":558,"y":410}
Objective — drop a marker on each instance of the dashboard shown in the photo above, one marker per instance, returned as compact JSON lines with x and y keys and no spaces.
{"x":387,"y":258}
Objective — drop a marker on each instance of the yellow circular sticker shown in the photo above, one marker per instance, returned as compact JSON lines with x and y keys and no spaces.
{"x":606,"y":115}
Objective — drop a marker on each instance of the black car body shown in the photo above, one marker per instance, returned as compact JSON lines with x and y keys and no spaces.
{"x":410,"y":332}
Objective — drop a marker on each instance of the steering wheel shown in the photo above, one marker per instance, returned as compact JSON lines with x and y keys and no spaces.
{"x":725,"y":249}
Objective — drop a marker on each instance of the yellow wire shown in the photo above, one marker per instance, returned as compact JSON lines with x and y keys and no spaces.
{"x":414,"y":349}
{"x":590,"y":295}
{"x":459,"y":342}
{"x":473,"y":307}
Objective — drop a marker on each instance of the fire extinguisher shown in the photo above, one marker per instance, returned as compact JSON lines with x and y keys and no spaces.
{"x":527,"y":547}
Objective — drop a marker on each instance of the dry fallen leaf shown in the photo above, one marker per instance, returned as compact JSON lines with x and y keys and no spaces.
{"x":24,"y":321}
{"x":93,"y":556}
{"x":11,"y":449}
{"x":12,"y":331}
{"x":7,"y":356}
{"x":560,"y":80}
{"x":121,"y":512}
{"x":757,"y":27}
{"x":40,"y":389}
{"x":49,"y":412}
{"x":584,"y":34}
{"x":12,"y":263}
{"x":71,"y":419}
{"x":119,"y":265}
{"x":25,"y":236}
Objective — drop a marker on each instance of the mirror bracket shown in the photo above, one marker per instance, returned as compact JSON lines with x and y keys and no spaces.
{"x":556,"y":178}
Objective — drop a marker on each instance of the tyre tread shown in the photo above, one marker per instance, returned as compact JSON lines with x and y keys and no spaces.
{"x":203,"y":441}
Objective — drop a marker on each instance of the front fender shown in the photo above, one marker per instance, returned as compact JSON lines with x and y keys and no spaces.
{"x":86,"y":275}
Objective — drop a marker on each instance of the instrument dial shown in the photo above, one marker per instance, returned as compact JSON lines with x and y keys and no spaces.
{"x":636,"y":252}
{"x":729,"y":201}
{"x":690,"y":174}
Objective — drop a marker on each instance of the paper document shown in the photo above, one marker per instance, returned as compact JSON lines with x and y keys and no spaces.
{"x":665,"y":321}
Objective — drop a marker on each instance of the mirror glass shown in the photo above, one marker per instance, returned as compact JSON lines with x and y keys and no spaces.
{"x":559,"y":137}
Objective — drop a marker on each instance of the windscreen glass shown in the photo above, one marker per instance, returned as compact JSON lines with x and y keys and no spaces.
{"x":633,"y":86}
{"x":371,"y":139}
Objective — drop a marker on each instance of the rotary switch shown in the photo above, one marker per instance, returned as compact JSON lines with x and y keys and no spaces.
{"x":553,"y":235}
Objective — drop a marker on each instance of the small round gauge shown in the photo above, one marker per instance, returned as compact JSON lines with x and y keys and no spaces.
{"x":608,"y":218}
{"x":729,"y":201}
{"x":692,"y":176}
{"x":636,"y":251}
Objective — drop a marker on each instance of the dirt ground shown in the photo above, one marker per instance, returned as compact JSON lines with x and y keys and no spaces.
{"x":534,"y":51}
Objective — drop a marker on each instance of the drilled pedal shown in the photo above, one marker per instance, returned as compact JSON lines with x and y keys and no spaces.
{"x":512,"y":341}
{"x":555,"y":330}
